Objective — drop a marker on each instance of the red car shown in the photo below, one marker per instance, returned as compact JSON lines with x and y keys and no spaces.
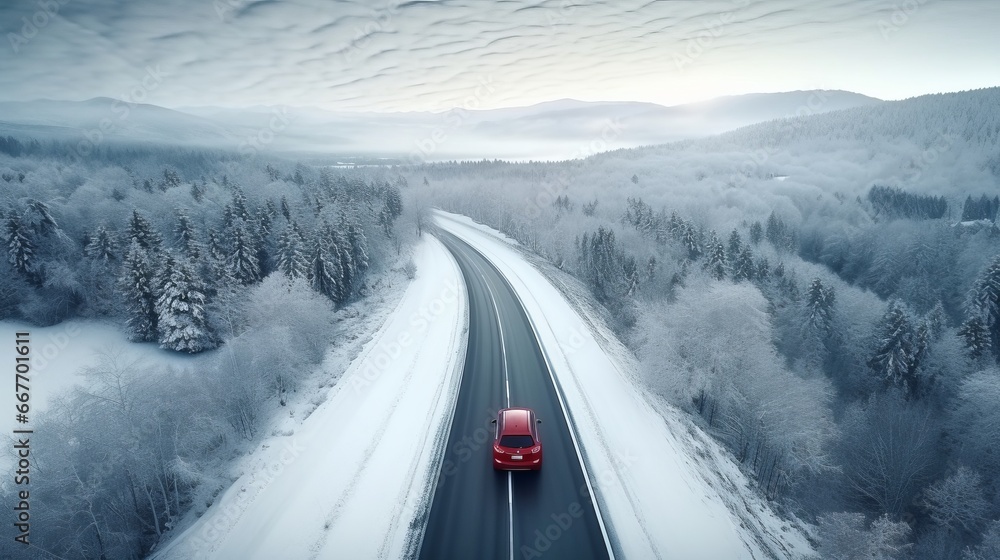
{"x":516,"y":446}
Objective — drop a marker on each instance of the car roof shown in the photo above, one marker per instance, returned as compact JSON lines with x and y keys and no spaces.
{"x":516,"y":421}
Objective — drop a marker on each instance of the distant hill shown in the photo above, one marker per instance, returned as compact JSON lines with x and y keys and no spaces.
{"x":557,"y":129}
{"x":972,"y":117}
{"x":60,"y":119}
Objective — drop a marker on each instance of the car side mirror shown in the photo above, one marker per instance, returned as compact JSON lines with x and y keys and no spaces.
{"x":493,"y":421}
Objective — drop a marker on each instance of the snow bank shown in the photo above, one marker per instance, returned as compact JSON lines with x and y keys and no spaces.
{"x":60,"y":357}
{"x":357,"y":473}
{"x":665,"y":489}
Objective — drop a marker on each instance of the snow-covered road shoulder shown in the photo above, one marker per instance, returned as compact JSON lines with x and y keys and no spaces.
{"x":354,"y":479}
{"x":665,"y":489}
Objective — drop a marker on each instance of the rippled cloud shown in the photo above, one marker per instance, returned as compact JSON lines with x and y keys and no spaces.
{"x":433,"y":54}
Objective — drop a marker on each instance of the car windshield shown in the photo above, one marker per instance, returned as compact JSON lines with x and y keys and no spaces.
{"x":515,"y":441}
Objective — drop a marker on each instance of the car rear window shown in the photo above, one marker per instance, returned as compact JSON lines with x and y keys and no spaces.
{"x":516,"y":441}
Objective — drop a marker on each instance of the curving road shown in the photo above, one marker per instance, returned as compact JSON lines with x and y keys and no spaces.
{"x":480,"y":514}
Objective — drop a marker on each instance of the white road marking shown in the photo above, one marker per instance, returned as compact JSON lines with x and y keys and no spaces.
{"x":503,"y":346}
{"x":510,"y":509}
{"x":506,"y":382}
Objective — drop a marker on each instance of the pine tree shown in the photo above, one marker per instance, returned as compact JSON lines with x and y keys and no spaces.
{"x":216,"y":265}
{"x":895,"y":358}
{"x":187,"y":237}
{"x":228,"y":217}
{"x":241,"y":210}
{"x":20,"y":248}
{"x":392,"y":207}
{"x":819,"y":306}
{"x":689,"y":237}
{"x":242,"y":262}
{"x":735,"y":246}
{"x":776,"y":231}
{"x":976,"y":337}
{"x":921,"y":343}
{"x":603,"y":264}
{"x":347,"y":271}
{"x":262,"y":237}
{"x":715,"y":262}
{"x":763,"y":272}
{"x":321,"y":273}
{"x":141,"y":232}
{"x":39,"y":218}
{"x":359,"y":247}
{"x":291,"y":261}
{"x":198,"y":190}
{"x":984,"y":302}
{"x":285,"y":210}
{"x":937,"y":320}
{"x":180,"y":310}
{"x":743,"y":268}
{"x":630,"y":270}
{"x":137,"y":284}
{"x":102,"y":246}
{"x":756,"y":233}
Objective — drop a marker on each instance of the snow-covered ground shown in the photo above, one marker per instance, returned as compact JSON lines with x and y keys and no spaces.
{"x":664,"y":487}
{"x":60,"y":358}
{"x":349,"y":480}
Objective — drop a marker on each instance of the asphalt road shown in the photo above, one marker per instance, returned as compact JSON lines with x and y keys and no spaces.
{"x":481,"y":514}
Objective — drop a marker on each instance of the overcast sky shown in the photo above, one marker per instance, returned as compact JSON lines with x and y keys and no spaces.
{"x":390,"y":55}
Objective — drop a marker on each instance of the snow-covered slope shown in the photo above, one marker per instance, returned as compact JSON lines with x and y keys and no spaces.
{"x":665,"y":488}
{"x":351,"y":479}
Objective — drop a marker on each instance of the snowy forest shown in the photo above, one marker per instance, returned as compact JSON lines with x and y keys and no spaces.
{"x":821,"y":293}
{"x":191,"y":250}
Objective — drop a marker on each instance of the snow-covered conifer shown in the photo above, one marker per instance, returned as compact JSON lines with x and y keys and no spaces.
{"x":141,"y":232}
{"x":895,"y":356}
{"x":242,"y":261}
{"x":180,"y":310}
{"x":138,"y":285}
{"x":291,"y":261}
{"x":102,"y":245}
{"x":20,"y":248}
